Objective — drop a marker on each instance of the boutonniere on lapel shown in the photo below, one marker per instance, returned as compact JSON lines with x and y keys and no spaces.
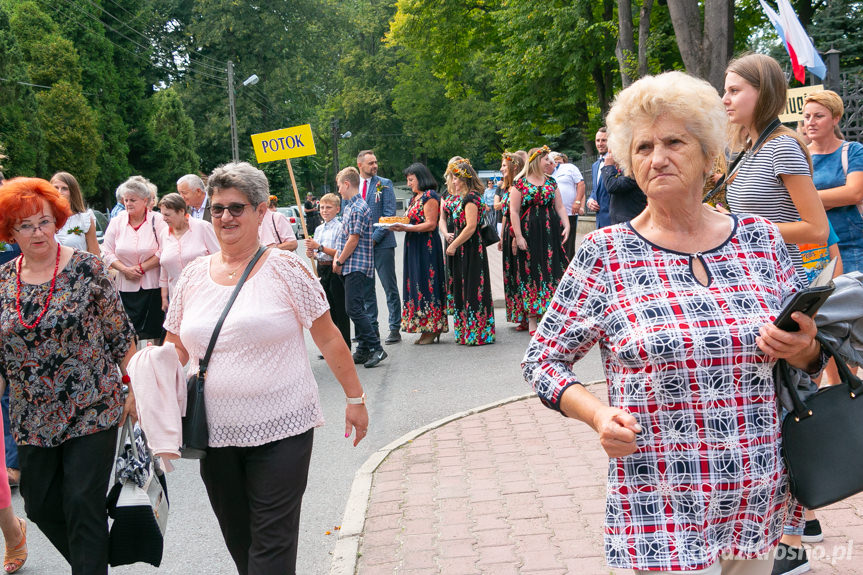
{"x":77,"y":231}
{"x":378,"y":190}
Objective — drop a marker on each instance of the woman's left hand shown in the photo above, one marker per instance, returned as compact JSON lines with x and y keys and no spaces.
{"x":356,"y":418}
{"x":450,"y":250}
{"x":564,"y":234}
{"x":799,"y":348}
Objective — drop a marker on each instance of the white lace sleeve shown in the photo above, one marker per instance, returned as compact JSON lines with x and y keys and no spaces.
{"x":302,"y":290}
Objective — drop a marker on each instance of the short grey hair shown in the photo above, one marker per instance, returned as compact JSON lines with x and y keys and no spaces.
{"x":138,"y":186}
{"x":673,"y":94}
{"x":193,"y":181}
{"x":243,"y":177}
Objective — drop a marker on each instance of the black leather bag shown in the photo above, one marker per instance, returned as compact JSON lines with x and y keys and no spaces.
{"x":196,"y":436}
{"x":822,"y":439}
{"x":488,"y":229}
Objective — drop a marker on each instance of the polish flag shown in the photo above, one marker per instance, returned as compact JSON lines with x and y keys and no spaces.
{"x":803,"y":54}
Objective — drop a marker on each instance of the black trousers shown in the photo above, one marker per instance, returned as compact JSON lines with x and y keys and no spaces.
{"x":357,"y":286}
{"x":569,"y":246}
{"x":64,"y":491}
{"x":334,"y":287}
{"x":256,"y":493}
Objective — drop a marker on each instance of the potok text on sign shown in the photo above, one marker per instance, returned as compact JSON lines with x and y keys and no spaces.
{"x":284,"y":144}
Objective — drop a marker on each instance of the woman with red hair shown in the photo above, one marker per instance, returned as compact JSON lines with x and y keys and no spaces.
{"x":64,"y":333}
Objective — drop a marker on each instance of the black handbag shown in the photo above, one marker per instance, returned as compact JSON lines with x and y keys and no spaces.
{"x":488,"y":230}
{"x":822,"y":438}
{"x":196,"y":436}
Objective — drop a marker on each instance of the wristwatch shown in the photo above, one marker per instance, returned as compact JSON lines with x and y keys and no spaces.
{"x":356,"y":400}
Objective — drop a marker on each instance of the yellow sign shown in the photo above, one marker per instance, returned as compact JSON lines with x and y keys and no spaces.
{"x":284,"y":144}
{"x":794,"y":105}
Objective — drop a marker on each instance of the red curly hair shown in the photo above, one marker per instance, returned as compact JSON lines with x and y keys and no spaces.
{"x":22,"y":197}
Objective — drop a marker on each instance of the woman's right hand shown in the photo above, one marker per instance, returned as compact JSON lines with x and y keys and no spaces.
{"x":521,"y":243}
{"x":617,"y":431}
{"x":131,"y":273}
{"x":164,"y":304}
{"x":449,"y":238}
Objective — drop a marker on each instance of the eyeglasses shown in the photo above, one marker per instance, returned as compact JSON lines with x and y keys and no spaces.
{"x":30,"y":229}
{"x":236,"y":210}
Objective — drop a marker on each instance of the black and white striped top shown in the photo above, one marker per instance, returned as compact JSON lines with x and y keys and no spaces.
{"x":758,"y":189}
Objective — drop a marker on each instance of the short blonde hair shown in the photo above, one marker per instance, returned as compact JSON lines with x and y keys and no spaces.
{"x":331,"y":199}
{"x":349,"y":174}
{"x":829,"y":99}
{"x":675,"y":95}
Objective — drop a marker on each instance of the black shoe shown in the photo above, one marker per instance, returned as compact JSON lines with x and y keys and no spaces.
{"x":393,"y":337}
{"x":790,"y":561}
{"x":812,"y":533}
{"x":376,"y":358}
{"x":361,"y":356}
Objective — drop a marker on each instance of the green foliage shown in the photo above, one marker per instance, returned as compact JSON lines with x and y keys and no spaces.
{"x":21,"y":136}
{"x":837,"y":25}
{"x":171,"y":134}
{"x":71,"y":135}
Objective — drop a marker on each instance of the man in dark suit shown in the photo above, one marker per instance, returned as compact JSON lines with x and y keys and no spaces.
{"x":191,"y":187}
{"x":381,"y":198}
{"x":599,"y":199}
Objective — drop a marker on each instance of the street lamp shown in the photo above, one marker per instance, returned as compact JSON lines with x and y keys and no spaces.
{"x":336,"y":138}
{"x":250,"y":81}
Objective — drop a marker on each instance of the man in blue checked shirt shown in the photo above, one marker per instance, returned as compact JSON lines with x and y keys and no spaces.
{"x":355,"y":262}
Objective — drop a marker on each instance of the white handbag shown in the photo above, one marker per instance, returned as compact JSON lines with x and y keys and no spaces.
{"x":138,"y":502}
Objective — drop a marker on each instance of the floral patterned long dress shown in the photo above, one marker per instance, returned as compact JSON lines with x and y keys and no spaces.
{"x":423,"y":293}
{"x":451,"y":206}
{"x":543,"y":264}
{"x":473,"y":308}
{"x":511,"y":289}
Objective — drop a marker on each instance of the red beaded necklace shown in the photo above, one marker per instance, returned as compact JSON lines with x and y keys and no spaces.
{"x":50,"y":292}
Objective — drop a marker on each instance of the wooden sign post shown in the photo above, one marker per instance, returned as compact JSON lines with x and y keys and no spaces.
{"x":285,"y":144}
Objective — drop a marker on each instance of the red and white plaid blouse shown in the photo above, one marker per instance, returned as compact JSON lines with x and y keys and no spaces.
{"x":708,"y":477}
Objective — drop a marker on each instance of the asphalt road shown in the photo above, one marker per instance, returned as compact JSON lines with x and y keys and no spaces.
{"x":413,"y":387}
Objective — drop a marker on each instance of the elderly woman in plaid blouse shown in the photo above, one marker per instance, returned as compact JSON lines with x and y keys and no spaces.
{"x":681,"y":302}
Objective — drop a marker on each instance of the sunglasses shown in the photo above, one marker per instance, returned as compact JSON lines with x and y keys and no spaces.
{"x":236,"y":210}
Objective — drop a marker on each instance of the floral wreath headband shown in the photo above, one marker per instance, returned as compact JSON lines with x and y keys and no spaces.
{"x":460,"y":172}
{"x":540,"y":151}
{"x":508,"y":156}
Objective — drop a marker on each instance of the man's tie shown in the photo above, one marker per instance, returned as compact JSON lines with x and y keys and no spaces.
{"x":365,"y":188}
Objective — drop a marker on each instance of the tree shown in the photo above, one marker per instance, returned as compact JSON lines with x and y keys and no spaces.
{"x":171,"y":135}
{"x":71,"y":134}
{"x":633,"y":65}
{"x":705,"y":41}
{"x":20,"y":135}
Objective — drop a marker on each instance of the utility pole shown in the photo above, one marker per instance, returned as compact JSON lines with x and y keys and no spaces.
{"x":235,"y":153}
{"x":335,"y":125}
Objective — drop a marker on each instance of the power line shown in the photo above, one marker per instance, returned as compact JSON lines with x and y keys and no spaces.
{"x":37,"y":85}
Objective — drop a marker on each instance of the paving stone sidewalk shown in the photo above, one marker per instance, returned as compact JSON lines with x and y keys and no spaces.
{"x":519,"y":489}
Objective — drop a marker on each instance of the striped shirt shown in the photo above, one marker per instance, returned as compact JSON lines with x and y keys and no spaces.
{"x":758,"y":189}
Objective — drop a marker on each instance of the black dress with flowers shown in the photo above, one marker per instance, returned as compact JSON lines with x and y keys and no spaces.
{"x":451,"y":205}
{"x":473,"y":308}
{"x":423,"y":293}
{"x":543,"y":264}
{"x":511,"y":290}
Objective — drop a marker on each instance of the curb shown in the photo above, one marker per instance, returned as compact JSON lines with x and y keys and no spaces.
{"x":346,"y":552}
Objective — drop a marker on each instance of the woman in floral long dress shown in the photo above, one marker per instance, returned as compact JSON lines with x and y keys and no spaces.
{"x":450,"y":205}
{"x":423,"y":294}
{"x":540,"y":226}
{"x":511,"y":164}
{"x":473,"y":308}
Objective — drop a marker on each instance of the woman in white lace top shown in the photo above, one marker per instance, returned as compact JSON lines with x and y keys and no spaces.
{"x":261,"y":397}
{"x":79,"y":231}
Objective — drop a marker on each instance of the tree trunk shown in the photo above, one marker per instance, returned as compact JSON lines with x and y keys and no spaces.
{"x":625,"y":44}
{"x":705,"y":50}
{"x":643,"y":35}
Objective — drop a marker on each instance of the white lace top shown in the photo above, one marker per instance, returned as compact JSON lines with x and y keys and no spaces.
{"x":259,"y":385}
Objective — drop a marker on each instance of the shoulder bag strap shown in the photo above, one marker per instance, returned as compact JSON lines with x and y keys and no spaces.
{"x":738,"y":161}
{"x":155,"y":235}
{"x":278,"y":237}
{"x":845,"y":146}
{"x":202,"y":367}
